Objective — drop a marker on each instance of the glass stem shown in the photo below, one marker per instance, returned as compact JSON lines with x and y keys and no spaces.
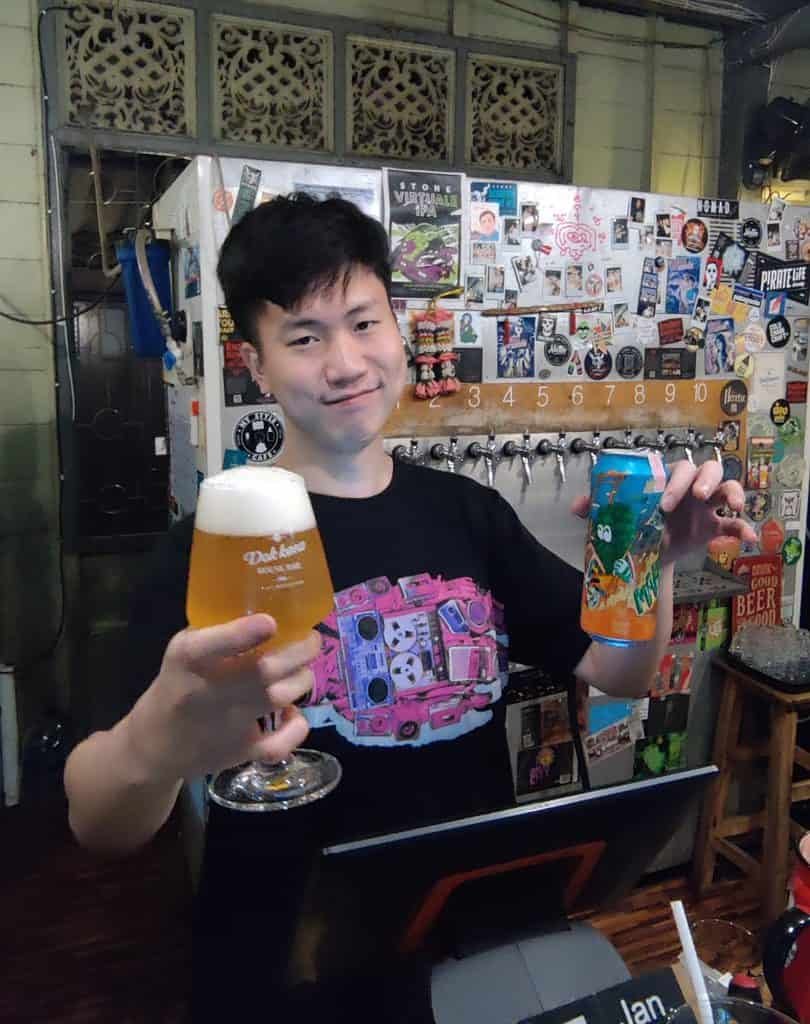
{"x":267,"y":723}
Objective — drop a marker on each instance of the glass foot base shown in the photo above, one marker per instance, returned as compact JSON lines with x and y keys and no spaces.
{"x":307,"y":775}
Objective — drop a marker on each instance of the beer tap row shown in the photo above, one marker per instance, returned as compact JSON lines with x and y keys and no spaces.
{"x":453,"y":454}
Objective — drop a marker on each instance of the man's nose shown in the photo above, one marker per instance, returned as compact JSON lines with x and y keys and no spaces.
{"x":345,"y":360}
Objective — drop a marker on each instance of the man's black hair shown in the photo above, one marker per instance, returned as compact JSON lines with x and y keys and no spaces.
{"x":286,"y":249}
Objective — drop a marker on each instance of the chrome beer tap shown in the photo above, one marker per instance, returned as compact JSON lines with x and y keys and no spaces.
{"x":612,"y":442}
{"x":715,"y":442}
{"x":673,"y":441}
{"x":449,"y":453}
{"x":478,"y":451}
{"x":546,"y":447}
{"x":579,"y":445}
{"x":410,"y":454}
{"x":512,"y":448}
{"x":658,"y":445}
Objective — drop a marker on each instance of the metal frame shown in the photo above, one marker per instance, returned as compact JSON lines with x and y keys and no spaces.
{"x":204,"y":141}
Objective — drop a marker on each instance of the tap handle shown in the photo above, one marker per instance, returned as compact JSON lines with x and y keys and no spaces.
{"x":490,"y":473}
{"x":527,"y":468}
{"x":561,"y":466}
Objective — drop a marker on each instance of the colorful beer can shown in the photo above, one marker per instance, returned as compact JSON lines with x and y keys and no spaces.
{"x":625,"y":529}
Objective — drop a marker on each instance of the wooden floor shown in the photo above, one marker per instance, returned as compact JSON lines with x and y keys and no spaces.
{"x":92,"y":942}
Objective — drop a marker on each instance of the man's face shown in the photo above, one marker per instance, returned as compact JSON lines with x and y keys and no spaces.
{"x":336,"y":363}
{"x":487,"y":221}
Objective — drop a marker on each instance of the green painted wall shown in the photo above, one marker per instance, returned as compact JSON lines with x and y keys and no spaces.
{"x":29,"y":597}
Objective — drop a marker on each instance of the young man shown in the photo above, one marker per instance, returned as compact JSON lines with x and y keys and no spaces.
{"x":308,"y":283}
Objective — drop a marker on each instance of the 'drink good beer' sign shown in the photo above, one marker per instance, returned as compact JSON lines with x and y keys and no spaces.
{"x":761,"y":605}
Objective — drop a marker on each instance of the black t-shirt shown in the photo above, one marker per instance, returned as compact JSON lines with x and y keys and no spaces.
{"x":413,"y":659}
{"x":431,"y":576}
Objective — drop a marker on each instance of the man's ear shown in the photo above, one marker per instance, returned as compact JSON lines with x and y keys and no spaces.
{"x":253,"y":361}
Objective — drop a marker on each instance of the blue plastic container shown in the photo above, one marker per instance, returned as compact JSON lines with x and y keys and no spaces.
{"x":147,"y":339}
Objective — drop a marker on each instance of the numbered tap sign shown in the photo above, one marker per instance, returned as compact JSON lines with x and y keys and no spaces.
{"x":510,"y":408}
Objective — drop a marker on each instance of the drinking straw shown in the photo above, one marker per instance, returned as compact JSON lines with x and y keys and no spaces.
{"x":705,"y":1015}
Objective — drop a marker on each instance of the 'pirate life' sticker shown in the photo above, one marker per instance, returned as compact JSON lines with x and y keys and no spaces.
{"x":260,"y":435}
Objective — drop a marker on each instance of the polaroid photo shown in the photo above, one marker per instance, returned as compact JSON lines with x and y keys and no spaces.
{"x":701,"y":312}
{"x":510,"y":298}
{"x":529,"y":219}
{"x":619,"y":233}
{"x":552,"y":283}
{"x":663,"y":225}
{"x":622,"y":318}
{"x":637,"y":209}
{"x":511,"y":231}
{"x":646,"y":237}
{"x":663,"y":248}
{"x":474,"y":288}
{"x":483,"y":252}
{"x":594,"y":284}
{"x":791,"y":249}
{"x":525,"y":270}
{"x":573,"y":280}
{"x":485,"y":222}
{"x":613,"y":280}
{"x":495,"y":279}
{"x":774,"y":230}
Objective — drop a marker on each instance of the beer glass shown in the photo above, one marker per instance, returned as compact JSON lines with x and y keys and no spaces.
{"x":256,"y":548}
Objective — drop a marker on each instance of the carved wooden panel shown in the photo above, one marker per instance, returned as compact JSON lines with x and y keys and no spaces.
{"x":273,"y":83}
{"x":129,"y":66}
{"x":514,"y":113}
{"x":400,"y":99}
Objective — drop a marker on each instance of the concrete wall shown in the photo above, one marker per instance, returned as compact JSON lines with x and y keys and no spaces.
{"x":29,"y":597}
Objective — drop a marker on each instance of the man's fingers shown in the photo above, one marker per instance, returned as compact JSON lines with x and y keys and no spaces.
{"x":291,"y":732}
{"x":683,"y":476}
{"x":707,"y":479}
{"x":199,"y":648}
{"x":291,"y":689}
{"x":275,"y":665}
{"x":581,"y":506}
{"x":729,"y":494}
{"x":737,"y":528}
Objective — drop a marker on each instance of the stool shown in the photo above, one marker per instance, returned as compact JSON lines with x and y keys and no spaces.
{"x":717,"y":828}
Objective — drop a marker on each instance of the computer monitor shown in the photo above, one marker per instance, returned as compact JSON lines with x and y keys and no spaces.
{"x":476,"y":881}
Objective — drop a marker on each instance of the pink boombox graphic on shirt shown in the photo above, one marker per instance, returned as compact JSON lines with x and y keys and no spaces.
{"x":397,"y":658}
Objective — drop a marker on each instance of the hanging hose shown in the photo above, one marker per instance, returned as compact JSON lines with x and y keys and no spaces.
{"x":95,"y":164}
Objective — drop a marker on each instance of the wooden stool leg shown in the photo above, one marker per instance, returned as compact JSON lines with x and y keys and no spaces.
{"x":777,"y":828}
{"x":714,"y":803}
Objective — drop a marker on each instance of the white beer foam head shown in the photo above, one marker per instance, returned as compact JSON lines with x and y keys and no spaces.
{"x":253,"y":501}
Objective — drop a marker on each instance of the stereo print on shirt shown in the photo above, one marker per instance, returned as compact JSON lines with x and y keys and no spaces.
{"x":409,"y":663}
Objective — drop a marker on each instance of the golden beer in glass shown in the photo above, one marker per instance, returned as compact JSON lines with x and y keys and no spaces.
{"x":257,"y":548}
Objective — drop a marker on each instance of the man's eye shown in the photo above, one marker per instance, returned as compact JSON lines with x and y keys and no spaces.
{"x":365,"y":325}
{"x":303,"y":342}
